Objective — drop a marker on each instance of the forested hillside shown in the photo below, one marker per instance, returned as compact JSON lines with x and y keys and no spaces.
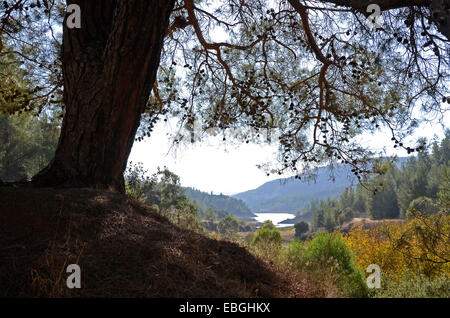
{"x":420,"y":182}
{"x":291,"y":195}
{"x":218,"y":202}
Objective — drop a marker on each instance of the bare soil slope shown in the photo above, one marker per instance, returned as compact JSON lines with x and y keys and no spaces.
{"x":124,"y":249}
{"x":366,"y":223}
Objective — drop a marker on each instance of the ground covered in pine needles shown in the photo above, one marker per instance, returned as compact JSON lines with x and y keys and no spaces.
{"x":124,"y":249}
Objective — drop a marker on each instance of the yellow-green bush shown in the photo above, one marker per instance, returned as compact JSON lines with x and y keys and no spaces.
{"x":419,"y":246}
{"x":267,"y":236}
{"x":371,"y":246}
{"x":267,"y":242}
{"x":413,"y":285}
{"x":331,"y":248}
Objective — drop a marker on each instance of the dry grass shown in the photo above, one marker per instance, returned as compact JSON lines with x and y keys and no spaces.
{"x":287,"y":234}
{"x":315,"y":280}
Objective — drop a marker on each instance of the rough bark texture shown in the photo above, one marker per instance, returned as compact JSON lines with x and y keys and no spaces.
{"x":109,"y":67}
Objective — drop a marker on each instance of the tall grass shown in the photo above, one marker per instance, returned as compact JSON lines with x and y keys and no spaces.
{"x":325,"y":263}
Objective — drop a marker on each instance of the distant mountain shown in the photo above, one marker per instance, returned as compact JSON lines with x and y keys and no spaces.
{"x":219,"y":203}
{"x":290,"y":195}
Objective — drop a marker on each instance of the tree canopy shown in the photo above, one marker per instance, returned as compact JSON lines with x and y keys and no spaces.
{"x":315,"y":71}
{"x":312,"y":70}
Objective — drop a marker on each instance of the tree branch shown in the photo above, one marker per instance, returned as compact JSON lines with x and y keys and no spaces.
{"x":361,"y":5}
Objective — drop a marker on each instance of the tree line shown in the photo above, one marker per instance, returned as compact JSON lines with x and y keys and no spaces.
{"x":220,"y":203}
{"x":421,"y":182}
{"x":27,"y":145}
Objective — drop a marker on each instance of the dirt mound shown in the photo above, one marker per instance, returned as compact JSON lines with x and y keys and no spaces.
{"x":124,"y":249}
{"x":365,"y":223}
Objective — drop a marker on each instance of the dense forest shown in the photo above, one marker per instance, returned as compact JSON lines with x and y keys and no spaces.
{"x":27,"y":139}
{"x":222,"y":204}
{"x":420,"y":182}
{"x":27,"y":145}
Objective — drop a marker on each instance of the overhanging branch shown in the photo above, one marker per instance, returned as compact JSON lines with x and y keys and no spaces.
{"x":439,"y":9}
{"x":361,"y":5}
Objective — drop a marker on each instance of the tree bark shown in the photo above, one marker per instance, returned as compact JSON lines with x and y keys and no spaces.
{"x":109,"y":67}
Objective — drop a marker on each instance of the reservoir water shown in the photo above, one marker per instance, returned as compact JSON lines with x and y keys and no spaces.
{"x":275,"y":218}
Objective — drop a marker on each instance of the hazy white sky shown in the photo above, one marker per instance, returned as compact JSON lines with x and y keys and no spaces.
{"x":218,"y":166}
{"x":212,"y":165}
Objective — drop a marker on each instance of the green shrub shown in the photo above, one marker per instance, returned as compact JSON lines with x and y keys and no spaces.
{"x":267,"y":236}
{"x":267,"y":242}
{"x":331,"y":249}
{"x":320,"y":276}
{"x":228,"y":226}
{"x":301,"y":228}
{"x":248,"y":239}
{"x":268,"y":225}
{"x":136,"y":181}
{"x":422,"y":205}
{"x":293,"y":254}
{"x":413,"y":285}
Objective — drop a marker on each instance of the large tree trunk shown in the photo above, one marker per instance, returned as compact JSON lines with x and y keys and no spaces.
{"x":109,"y":67}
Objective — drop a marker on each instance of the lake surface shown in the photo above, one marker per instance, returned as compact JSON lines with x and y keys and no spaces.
{"x":275,"y":218}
